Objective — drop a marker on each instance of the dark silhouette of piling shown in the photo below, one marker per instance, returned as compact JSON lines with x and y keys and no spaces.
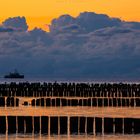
{"x":77,"y":125}
{"x":105,"y":102}
{"x":70,"y":94}
{"x":2,"y":124}
{"x":90,"y":125}
{"x":63,"y":102}
{"x":20,"y":123}
{"x":98,"y":125}
{"x":33,"y":102}
{"x":118,"y":125}
{"x":100,"y":102}
{"x":42,"y":101}
{"x":48,"y":102}
{"x":108,"y":125}
{"x":70,"y":89}
{"x":28,"y":124}
{"x":82,"y":125}
{"x":12,"y":124}
{"x":44,"y":125}
{"x":36,"y":125}
{"x":57,"y":102}
{"x":128,"y":125}
{"x":63,"y":125}
{"x":17,"y":102}
{"x":73,"y":125}
{"x":54,"y":125}
{"x":53,"y":101}
{"x":2,"y":101}
{"x":136,"y":126}
{"x":96,"y":95}
{"x":94,"y":102}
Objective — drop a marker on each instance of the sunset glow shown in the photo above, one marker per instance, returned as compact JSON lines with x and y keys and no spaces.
{"x":41,"y":12}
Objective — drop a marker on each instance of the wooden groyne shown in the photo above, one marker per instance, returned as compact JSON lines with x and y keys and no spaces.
{"x":90,"y":101}
{"x":68,"y":125}
{"x":69,"y":108}
{"x":9,"y":102}
{"x":69,"y":90}
{"x":72,"y":101}
{"x":71,"y":94}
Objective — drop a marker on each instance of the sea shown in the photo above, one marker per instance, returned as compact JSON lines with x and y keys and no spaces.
{"x":70,"y":80}
{"x":65,"y":137}
{"x":82,"y":137}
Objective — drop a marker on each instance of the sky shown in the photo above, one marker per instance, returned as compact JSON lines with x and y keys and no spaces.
{"x":88,"y":46}
{"x":84,"y":40}
{"x":40,"y":12}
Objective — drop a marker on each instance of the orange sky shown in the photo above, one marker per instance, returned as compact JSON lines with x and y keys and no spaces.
{"x":41,"y":12}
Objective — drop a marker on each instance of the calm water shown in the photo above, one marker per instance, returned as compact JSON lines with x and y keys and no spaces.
{"x":117,"y":112}
{"x":101,"y":111}
{"x":42,"y":137}
{"x":45,"y":79}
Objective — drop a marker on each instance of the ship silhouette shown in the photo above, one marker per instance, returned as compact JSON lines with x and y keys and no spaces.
{"x":14,"y":74}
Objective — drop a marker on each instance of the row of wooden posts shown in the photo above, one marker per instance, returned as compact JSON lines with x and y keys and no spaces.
{"x":9,"y":102}
{"x":67,"y":125}
{"x":91,"y":102}
{"x":60,"y":102}
{"x":69,"y":90}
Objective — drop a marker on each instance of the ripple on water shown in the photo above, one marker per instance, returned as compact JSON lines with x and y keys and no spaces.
{"x":72,"y":137}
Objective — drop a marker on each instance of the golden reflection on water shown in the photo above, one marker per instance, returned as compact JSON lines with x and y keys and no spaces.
{"x":72,"y":111}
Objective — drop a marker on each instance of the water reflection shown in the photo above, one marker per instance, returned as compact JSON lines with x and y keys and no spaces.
{"x":68,"y":111}
{"x":72,"y":137}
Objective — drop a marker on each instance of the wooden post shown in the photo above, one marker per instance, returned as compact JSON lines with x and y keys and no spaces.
{"x":103,"y":126}
{"x":48,"y":125}
{"x":58,"y":125}
{"x":40,"y":124}
{"x":6,"y":124}
{"x":33,"y":125}
{"x":79,"y":125}
{"x":114,"y":126}
{"x":94,"y":127}
{"x":134,"y":100}
{"x":123,"y":125}
{"x":86,"y":125}
{"x":133,"y":131}
{"x":68,"y":126}
{"x":16,"y":124}
{"x":24,"y":126}
{"x":5,"y":102}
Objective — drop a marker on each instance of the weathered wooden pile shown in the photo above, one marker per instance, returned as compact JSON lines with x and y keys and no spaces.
{"x":92,"y":95}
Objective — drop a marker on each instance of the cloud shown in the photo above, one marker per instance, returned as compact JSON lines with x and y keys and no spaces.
{"x":57,"y":24}
{"x":2,"y":29}
{"x":88,"y":46}
{"x":91,"y":21}
{"x":17,"y":23}
{"x":86,"y":22}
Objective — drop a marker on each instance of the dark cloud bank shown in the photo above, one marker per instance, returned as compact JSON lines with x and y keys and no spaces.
{"x":88,"y":46}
